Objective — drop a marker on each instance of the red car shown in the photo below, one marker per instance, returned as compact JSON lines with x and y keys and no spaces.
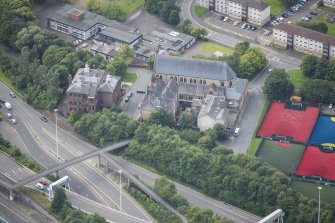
{"x":44,"y":182}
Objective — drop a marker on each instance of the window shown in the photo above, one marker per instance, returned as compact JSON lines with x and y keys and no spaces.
{"x":222,"y":83}
{"x":200,"y":82}
{"x":204,"y":82}
{"x":181,"y":79}
{"x":185,"y":80}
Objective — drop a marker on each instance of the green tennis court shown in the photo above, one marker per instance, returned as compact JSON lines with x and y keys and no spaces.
{"x":284,"y":156}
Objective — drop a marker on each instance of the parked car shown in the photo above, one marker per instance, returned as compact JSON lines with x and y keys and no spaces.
{"x":222,"y":18}
{"x":39,"y":186}
{"x":12,"y":94}
{"x":129,"y":94}
{"x":127,"y":99}
{"x":9,"y":115}
{"x":248,"y":27}
{"x":43,"y":182}
{"x":330,"y":106}
{"x":44,"y":119}
{"x":244,"y":26}
{"x":13,"y":120}
{"x":226,"y":19}
{"x":284,"y":15}
{"x":313,"y":13}
{"x":2,"y":101}
{"x":254,"y":28}
{"x":236,"y":23}
{"x":309,"y":17}
{"x":237,"y":132}
{"x":305,"y":19}
{"x":140,"y":91}
{"x":84,"y":45}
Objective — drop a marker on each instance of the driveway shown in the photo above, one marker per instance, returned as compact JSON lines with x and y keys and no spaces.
{"x":141,"y":83}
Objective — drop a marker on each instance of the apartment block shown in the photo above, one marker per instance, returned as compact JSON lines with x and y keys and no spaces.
{"x":252,"y":11}
{"x":304,"y":40}
{"x":329,"y":3}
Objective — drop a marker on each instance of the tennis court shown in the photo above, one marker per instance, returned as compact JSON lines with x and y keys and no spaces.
{"x":324,"y":131}
{"x":284,"y":156}
{"x":316,"y":163}
{"x":288,"y":122}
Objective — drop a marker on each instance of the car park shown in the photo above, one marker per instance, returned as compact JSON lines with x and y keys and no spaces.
{"x":44,"y":119}
{"x":12,"y":94}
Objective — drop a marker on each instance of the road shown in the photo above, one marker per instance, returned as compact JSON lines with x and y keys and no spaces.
{"x":194,"y":198}
{"x":85,"y":178}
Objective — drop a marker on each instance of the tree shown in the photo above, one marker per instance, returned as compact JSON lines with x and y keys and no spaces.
{"x":317,"y":90}
{"x":252,"y":61}
{"x":59,"y":199}
{"x":185,"y":27}
{"x":241,"y":48}
{"x":199,"y":33}
{"x":277,"y":86}
{"x":186,"y":120}
{"x":308,"y":65}
{"x":321,"y":70}
{"x":174,"y":18}
{"x":206,"y":142}
{"x":95,"y":218}
{"x":330,"y":75}
{"x":319,"y":27}
{"x":162,"y":117}
{"x":219,"y":132}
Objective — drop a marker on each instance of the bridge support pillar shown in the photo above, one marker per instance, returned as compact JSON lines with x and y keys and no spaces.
{"x":128,"y":183}
{"x":57,"y":173}
{"x":99,"y":161}
{"x":11,"y":195}
{"x":106,"y":167}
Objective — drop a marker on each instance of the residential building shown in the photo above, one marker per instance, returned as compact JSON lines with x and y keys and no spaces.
{"x":251,"y":11}
{"x":297,"y":38}
{"x":329,"y":3}
{"x":179,"y":83}
{"x":91,"y":90}
{"x":84,"y":24}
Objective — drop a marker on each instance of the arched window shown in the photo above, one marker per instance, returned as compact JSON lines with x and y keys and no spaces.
{"x":204,"y":82}
{"x":230,"y":83}
{"x":161,"y":77}
{"x":171,"y":78}
{"x":185,"y":80}
{"x":222,"y":83}
{"x":181,"y":79}
{"x":200,"y":81}
{"x":175,"y":78}
{"x":195,"y":81}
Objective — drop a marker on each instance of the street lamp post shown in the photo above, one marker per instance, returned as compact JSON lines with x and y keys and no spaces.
{"x":319,"y":189}
{"x":120,"y":172}
{"x":56,"y":111}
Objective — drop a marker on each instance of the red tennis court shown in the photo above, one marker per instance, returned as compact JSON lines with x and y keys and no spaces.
{"x":317,"y":163}
{"x":288,"y":122}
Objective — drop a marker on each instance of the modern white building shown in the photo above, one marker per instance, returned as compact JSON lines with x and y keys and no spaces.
{"x":329,"y":3}
{"x":252,"y":11}
{"x":294,"y":37}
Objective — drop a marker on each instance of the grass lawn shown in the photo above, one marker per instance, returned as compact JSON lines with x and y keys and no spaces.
{"x":129,"y":5}
{"x":284,"y":158}
{"x":297,"y":78}
{"x":310,"y":190}
{"x":276,"y":6}
{"x":331,"y":26}
{"x":38,"y":197}
{"x":210,"y":47}
{"x":129,"y":77}
{"x":253,"y":146}
{"x":200,"y":11}
{"x":327,"y":8}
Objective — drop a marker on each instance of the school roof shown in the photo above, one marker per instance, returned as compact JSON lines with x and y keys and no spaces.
{"x":122,"y":35}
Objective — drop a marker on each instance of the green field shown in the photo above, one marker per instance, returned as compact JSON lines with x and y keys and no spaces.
{"x":297,"y":78}
{"x":284,"y":158}
{"x":323,"y":19}
{"x":310,"y":190}
{"x":38,"y":197}
{"x":275,"y":6}
{"x":129,"y":6}
{"x":254,"y":144}
{"x":200,"y":11}
{"x":210,"y":47}
{"x":129,"y":77}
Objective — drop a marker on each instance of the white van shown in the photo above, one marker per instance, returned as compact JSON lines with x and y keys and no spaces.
{"x":8,"y":105}
{"x":39,"y":186}
{"x":237,"y":132}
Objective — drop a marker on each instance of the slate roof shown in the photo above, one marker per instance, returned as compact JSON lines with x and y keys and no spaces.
{"x":110,"y":84}
{"x":256,"y":4}
{"x":190,"y":67}
{"x":236,"y":92}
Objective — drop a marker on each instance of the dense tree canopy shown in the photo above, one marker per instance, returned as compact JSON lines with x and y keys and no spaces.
{"x":277,"y":86}
{"x":166,"y":9}
{"x":59,"y":199}
{"x":162,"y":117}
{"x":319,"y":91}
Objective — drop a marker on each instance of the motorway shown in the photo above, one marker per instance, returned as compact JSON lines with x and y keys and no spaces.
{"x":85,"y":178}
